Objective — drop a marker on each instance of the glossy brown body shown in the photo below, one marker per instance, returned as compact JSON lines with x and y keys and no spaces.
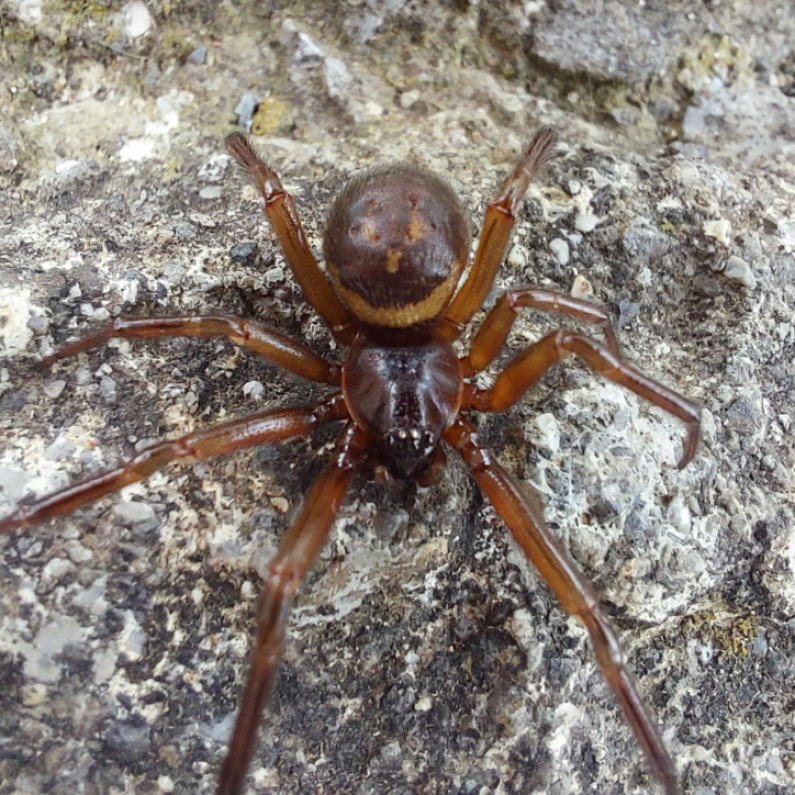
{"x":396,"y":246}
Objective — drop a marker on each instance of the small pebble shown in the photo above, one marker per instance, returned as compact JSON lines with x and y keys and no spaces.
{"x":244,"y":252}
{"x":274,"y":275}
{"x":739,"y":270}
{"x":246,"y":106}
{"x":408,"y":98}
{"x":56,"y":569}
{"x":184,"y":230}
{"x":38,"y":324}
{"x":627,"y":310}
{"x":54,"y":389}
{"x":392,"y":753}
{"x":61,"y":448}
{"x":307,"y":53}
{"x":575,"y":186}
{"x":198,"y":56}
{"x":77,"y":552}
{"x":107,"y":386}
{"x":560,"y":250}
{"x":210,"y":192}
{"x":586,"y":223}
{"x":130,"y":513}
{"x":245,"y":109}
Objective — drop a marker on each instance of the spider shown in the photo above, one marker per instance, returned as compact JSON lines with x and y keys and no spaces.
{"x":396,"y":245}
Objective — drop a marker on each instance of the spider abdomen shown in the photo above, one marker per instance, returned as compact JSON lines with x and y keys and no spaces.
{"x":396,"y":243}
{"x":405,"y":397}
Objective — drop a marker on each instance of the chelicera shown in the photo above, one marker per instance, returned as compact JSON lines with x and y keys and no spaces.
{"x":396,"y":245}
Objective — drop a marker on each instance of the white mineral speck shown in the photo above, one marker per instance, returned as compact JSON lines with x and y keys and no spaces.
{"x":104,"y":666}
{"x":581,"y":288}
{"x":137,"y":19}
{"x":56,"y":569}
{"x":15,"y":334}
{"x":721,"y":230}
{"x":585,"y":222}
{"x":166,"y":783}
{"x":29,"y":11}
{"x":137,"y":149}
{"x":560,"y":250}
{"x":517,"y":257}
{"x":280,"y":504}
{"x":253,"y":389}
{"x":679,"y":515}
{"x":132,"y":638}
{"x":548,"y":432}
{"x":423,"y":704}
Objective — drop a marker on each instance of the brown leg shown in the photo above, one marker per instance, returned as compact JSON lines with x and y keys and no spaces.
{"x":523,"y":513}
{"x":497,"y":226}
{"x":270,"y":344}
{"x":494,"y":331}
{"x":528,"y":366}
{"x":281,"y":212}
{"x":266,"y":427}
{"x":286,"y":572}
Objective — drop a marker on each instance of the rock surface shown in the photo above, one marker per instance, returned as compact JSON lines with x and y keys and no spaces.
{"x":425,"y":655}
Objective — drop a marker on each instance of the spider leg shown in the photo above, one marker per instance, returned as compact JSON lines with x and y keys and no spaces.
{"x":522,"y":512}
{"x":497,"y":226}
{"x":286,"y":572}
{"x":284,"y":218}
{"x":529,"y":365}
{"x":495,"y":328}
{"x":271,"y":345}
{"x":265,"y":427}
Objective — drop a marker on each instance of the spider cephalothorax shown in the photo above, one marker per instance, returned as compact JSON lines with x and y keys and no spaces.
{"x":396,"y":245}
